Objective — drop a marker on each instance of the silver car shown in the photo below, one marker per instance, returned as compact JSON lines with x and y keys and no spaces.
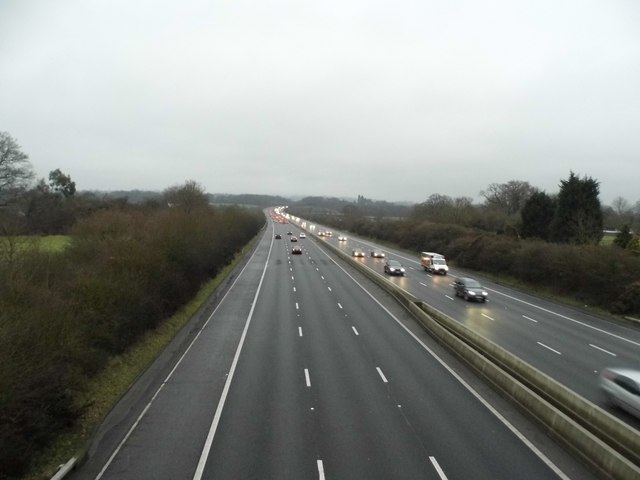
{"x":622,"y":388}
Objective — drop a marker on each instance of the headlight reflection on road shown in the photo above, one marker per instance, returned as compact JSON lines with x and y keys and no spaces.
{"x":478,"y":319}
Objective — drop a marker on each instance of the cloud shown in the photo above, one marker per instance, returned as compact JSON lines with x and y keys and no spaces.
{"x":332,"y":98}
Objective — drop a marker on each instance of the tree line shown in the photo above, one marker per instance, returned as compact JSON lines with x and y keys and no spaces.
{"x":64,"y":314}
{"x":551,"y":241}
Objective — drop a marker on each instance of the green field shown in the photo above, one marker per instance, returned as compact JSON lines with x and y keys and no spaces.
{"x":48,"y":243}
{"x":607,"y":239}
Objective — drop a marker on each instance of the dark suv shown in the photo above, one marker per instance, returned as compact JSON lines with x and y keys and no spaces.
{"x":470,"y":289}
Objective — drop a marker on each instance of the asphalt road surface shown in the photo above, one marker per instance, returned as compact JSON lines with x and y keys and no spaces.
{"x":305,"y":370}
{"x":568,"y":344}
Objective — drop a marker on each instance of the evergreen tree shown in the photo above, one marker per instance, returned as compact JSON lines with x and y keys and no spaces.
{"x":578,"y":218}
{"x":537,"y":215}
{"x":623,"y":237}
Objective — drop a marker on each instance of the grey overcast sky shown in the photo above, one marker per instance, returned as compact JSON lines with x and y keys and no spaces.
{"x":393,"y":100}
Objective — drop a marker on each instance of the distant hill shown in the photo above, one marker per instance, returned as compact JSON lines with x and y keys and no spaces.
{"x":132,"y":196}
{"x":309,"y":204}
{"x":248,"y":199}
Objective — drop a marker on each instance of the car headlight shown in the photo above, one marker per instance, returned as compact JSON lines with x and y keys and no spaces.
{"x":402,"y":270}
{"x":485,"y":293}
{"x":472,"y":293}
{"x":391,"y":269}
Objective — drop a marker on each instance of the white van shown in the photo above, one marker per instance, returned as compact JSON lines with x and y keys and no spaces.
{"x":434,"y":262}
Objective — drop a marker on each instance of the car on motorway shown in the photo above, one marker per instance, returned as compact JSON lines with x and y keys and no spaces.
{"x":294,"y":239}
{"x":321,"y":233}
{"x":278,"y":236}
{"x":328,"y":233}
{"x":622,"y":388}
{"x":289,"y":233}
{"x":342,"y":238}
{"x":356,"y":252}
{"x":296,"y":250}
{"x":394,"y":267}
{"x":377,"y":253}
{"x":303,"y":235}
{"x":470,"y":289}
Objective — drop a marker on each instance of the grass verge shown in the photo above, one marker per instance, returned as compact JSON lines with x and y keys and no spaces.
{"x":105,"y":389}
{"x":47,"y":243}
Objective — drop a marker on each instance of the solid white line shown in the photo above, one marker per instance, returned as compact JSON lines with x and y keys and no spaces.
{"x":487,"y":316}
{"x":384,"y":379}
{"x":552,"y":466}
{"x":216,"y":418}
{"x":320,"y":470}
{"x":531,"y":305}
{"x":547,"y":347}
{"x":528,"y":318}
{"x":566,"y":318}
{"x":300,"y":331}
{"x":603,"y":350}
{"x":355,"y":331}
{"x":436,"y":465}
{"x":306,"y":377}
{"x":146,"y":408}
{"x":126,"y":437}
{"x":340,"y":306}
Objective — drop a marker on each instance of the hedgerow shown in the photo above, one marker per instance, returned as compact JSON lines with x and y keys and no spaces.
{"x":600,"y":276}
{"x":64,"y":314}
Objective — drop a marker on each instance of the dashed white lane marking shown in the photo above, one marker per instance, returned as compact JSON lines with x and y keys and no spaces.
{"x":340,"y":306}
{"x":292,"y":277}
{"x":320,"y":470}
{"x":384,"y":379}
{"x":300,"y":331}
{"x":436,"y":465}
{"x":297,"y":306}
{"x":487,"y":316}
{"x":549,"y":348}
{"x":329,"y":289}
{"x":322,"y":277}
{"x":546,"y":310}
{"x":423,"y":284}
{"x":450,"y":298}
{"x":603,"y":350}
{"x":294,"y":289}
{"x":529,"y":318}
{"x":306,"y":377}
{"x":453,"y":373}
{"x":355,"y":331}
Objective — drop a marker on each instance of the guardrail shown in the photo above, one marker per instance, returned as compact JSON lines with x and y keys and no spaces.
{"x":602,"y":440}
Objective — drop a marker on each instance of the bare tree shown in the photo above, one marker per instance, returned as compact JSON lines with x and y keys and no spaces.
{"x":508,"y":197}
{"x":621,"y":206}
{"x":187,"y":197}
{"x":15,"y":169}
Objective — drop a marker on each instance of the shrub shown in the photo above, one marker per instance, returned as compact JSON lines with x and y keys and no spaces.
{"x":123,"y":272}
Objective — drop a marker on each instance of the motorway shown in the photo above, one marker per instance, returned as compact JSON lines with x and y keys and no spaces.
{"x":568,"y":344}
{"x":303,"y":370}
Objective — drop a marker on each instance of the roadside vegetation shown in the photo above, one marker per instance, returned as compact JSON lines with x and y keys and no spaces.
{"x":550,"y":242}
{"x":90,"y":282}
{"x":69,"y":307}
